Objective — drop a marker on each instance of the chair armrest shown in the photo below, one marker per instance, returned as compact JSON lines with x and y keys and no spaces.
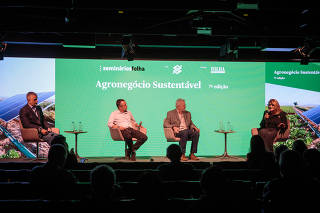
{"x":30,"y":134}
{"x":143,"y":130}
{"x":116,"y":134}
{"x":168,"y":133}
{"x":254,"y":131}
{"x":55,"y":130}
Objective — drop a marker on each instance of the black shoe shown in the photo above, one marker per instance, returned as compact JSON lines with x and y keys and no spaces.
{"x":133,"y":156}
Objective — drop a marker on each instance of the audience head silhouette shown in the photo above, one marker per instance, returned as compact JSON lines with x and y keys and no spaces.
{"x":174,"y":153}
{"x":213,"y":181}
{"x":278,"y":150}
{"x":103,"y":179}
{"x":290,"y":164}
{"x":60,"y":139}
{"x":311,"y":159}
{"x":257,"y":144}
{"x":299,"y":146}
{"x":57,"y":155}
{"x":150,"y":187}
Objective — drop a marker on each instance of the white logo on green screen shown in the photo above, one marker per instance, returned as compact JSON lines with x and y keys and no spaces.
{"x":218,"y":70}
{"x":122,"y":68}
{"x":177,"y":69}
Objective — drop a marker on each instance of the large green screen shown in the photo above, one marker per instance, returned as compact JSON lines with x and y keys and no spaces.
{"x":215,"y":92}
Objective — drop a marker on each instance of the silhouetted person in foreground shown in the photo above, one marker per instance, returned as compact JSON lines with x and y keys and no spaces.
{"x":53,"y":181}
{"x":311,"y":159}
{"x":150,"y":193}
{"x":299,"y":146}
{"x":103,"y":196}
{"x":294,"y":190}
{"x":71,"y":161}
{"x":103,"y":187}
{"x":176,"y":170}
{"x":277,"y":152}
{"x":259,"y":158}
{"x":150,"y":187}
{"x":214,"y":183}
{"x":218,"y":193}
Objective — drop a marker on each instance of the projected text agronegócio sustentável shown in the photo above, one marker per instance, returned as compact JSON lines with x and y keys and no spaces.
{"x":104,"y":85}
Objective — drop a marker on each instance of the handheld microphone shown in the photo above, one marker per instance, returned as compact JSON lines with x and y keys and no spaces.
{"x":267,"y":114}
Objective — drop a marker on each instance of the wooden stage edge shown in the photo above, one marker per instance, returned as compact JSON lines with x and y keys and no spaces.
{"x":138,"y":159}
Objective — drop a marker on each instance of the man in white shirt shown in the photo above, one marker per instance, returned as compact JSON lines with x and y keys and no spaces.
{"x":124,"y":121}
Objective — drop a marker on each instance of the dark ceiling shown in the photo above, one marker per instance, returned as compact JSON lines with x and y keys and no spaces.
{"x":38,"y":28}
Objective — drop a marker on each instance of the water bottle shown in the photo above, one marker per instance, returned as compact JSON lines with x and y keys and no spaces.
{"x":228,"y":126}
{"x":73,"y":126}
{"x":221,"y":127}
{"x":80,"y":126}
{"x":231,"y":127}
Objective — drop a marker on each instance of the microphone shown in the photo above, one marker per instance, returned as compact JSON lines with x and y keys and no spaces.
{"x":139,"y":125}
{"x":268,"y":114}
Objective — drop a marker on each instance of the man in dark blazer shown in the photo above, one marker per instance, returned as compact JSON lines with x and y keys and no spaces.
{"x":180,"y":121}
{"x":31,"y":116}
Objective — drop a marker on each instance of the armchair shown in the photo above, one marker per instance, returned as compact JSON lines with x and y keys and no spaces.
{"x":116,"y":135}
{"x":30,"y":135}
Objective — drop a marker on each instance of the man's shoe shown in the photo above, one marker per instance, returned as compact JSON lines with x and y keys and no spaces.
{"x":133,"y":156}
{"x":127,"y":157}
{"x":183,"y":157}
{"x":193,"y":157}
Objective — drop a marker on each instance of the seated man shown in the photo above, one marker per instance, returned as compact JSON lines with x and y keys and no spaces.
{"x":31,"y":116}
{"x":123,"y":119}
{"x":180,"y":121}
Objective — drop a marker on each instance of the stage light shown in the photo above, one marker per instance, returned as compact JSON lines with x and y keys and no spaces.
{"x":277,"y":49}
{"x":128,"y":48}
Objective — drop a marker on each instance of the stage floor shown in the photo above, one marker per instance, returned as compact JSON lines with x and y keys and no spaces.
{"x":138,"y":159}
{"x":162,"y":159}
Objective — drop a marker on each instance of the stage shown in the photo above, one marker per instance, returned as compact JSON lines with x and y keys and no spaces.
{"x":144,"y":159}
